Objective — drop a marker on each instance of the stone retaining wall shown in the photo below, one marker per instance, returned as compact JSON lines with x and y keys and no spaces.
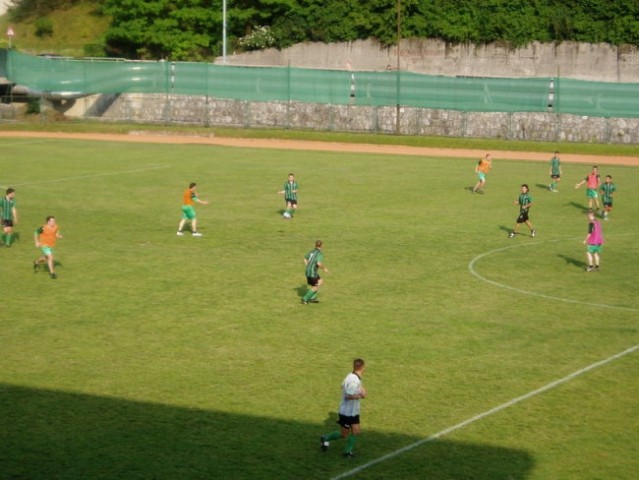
{"x":195,"y":110}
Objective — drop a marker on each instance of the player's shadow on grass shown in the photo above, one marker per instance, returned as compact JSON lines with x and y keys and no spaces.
{"x":542,"y":186}
{"x":56,"y":434}
{"x":572,"y":261}
{"x":43,"y":267}
{"x":301,"y":290}
{"x":578,"y":206}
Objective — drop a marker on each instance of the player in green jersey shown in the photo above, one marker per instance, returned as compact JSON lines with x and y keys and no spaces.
{"x":8,"y":215}
{"x":607,"y":190}
{"x":289,"y":191}
{"x":555,"y":172}
{"x":313,"y":261}
{"x":525,"y":201}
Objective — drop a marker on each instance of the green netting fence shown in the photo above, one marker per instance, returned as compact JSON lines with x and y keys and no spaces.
{"x":282,"y":84}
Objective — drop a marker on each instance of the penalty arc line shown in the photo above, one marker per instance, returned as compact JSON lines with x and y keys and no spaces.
{"x":64,"y":179}
{"x":487,"y":413}
{"x":471,"y":269}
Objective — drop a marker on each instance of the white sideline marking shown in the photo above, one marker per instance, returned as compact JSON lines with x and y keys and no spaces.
{"x":487,"y":413}
{"x":64,"y":179}
{"x":471,"y":268}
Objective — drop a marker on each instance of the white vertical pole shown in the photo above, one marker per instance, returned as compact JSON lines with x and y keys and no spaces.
{"x":224,"y":31}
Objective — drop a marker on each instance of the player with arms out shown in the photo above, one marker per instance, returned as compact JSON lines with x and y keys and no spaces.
{"x":45,"y":238}
{"x":592,"y":181}
{"x":352,"y":392}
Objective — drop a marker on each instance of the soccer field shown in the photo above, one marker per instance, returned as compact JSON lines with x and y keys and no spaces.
{"x":154,"y":356}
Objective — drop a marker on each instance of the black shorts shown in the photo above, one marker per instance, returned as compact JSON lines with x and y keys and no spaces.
{"x":523,"y":216}
{"x":291,"y":201}
{"x":313,"y":281}
{"x":347,"y":422}
{"x":555,"y":177}
{"x":608,"y":204}
{"x":7,"y":223}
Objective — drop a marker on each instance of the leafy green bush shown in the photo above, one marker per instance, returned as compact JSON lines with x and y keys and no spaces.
{"x":33,"y":106}
{"x":95,"y":50}
{"x":43,"y":27}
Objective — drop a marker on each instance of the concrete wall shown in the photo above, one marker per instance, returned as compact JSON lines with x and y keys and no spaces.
{"x":181,"y":109}
{"x":595,"y":62}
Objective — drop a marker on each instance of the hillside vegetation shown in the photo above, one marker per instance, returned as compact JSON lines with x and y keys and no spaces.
{"x":193,"y":29}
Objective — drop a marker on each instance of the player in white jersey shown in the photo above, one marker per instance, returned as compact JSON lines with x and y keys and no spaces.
{"x":352,"y":392}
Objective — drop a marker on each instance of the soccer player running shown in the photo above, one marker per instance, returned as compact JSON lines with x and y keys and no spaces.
{"x":289,"y":191}
{"x":481,"y":169}
{"x":352,"y":392}
{"x":45,"y":238}
{"x":555,"y":172}
{"x":8,"y":215}
{"x":313,"y":261}
{"x":525,"y":201}
{"x":593,"y":241}
{"x":188,"y":211}
{"x":607,"y":190}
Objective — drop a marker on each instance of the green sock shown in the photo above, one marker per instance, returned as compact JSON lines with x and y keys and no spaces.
{"x":308,"y":295}
{"x":332,"y":436}
{"x":350,"y":445}
{"x":8,"y":237}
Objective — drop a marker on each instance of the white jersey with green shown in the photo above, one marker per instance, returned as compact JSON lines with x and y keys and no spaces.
{"x":352,"y":385}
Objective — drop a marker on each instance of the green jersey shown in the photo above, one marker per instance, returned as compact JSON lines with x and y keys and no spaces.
{"x":313,"y":257}
{"x":6,"y":208}
{"x":524,"y":200}
{"x":607,"y":190}
{"x":555,"y":168}
{"x":290,"y":191}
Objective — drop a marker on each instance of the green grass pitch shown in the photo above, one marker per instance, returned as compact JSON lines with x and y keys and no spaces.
{"x":154,"y":356}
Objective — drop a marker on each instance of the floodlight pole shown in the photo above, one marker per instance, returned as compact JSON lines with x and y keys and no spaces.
{"x":399,"y":39}
{"x":224,"y":31}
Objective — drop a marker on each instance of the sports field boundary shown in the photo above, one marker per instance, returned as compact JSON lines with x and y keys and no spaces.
{"x":490,"y":412}
{"x":309,"y":145}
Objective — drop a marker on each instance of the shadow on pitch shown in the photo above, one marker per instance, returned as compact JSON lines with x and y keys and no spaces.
{"x":57,"y":434}
{"x":572,"y":261}
{"x":301,"y":290}
{"x":578,"y":206}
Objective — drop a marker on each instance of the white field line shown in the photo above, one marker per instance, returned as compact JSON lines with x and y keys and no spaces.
{"x":96,"y":175}
{"x":487,"y":413}
{"x":471,"y":268}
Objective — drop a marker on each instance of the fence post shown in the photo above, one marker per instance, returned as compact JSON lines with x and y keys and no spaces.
{"x":398,"y":125}
{"x":288,"y":96}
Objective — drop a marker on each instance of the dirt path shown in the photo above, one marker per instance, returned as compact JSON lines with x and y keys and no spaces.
{"x":151,"y":137}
